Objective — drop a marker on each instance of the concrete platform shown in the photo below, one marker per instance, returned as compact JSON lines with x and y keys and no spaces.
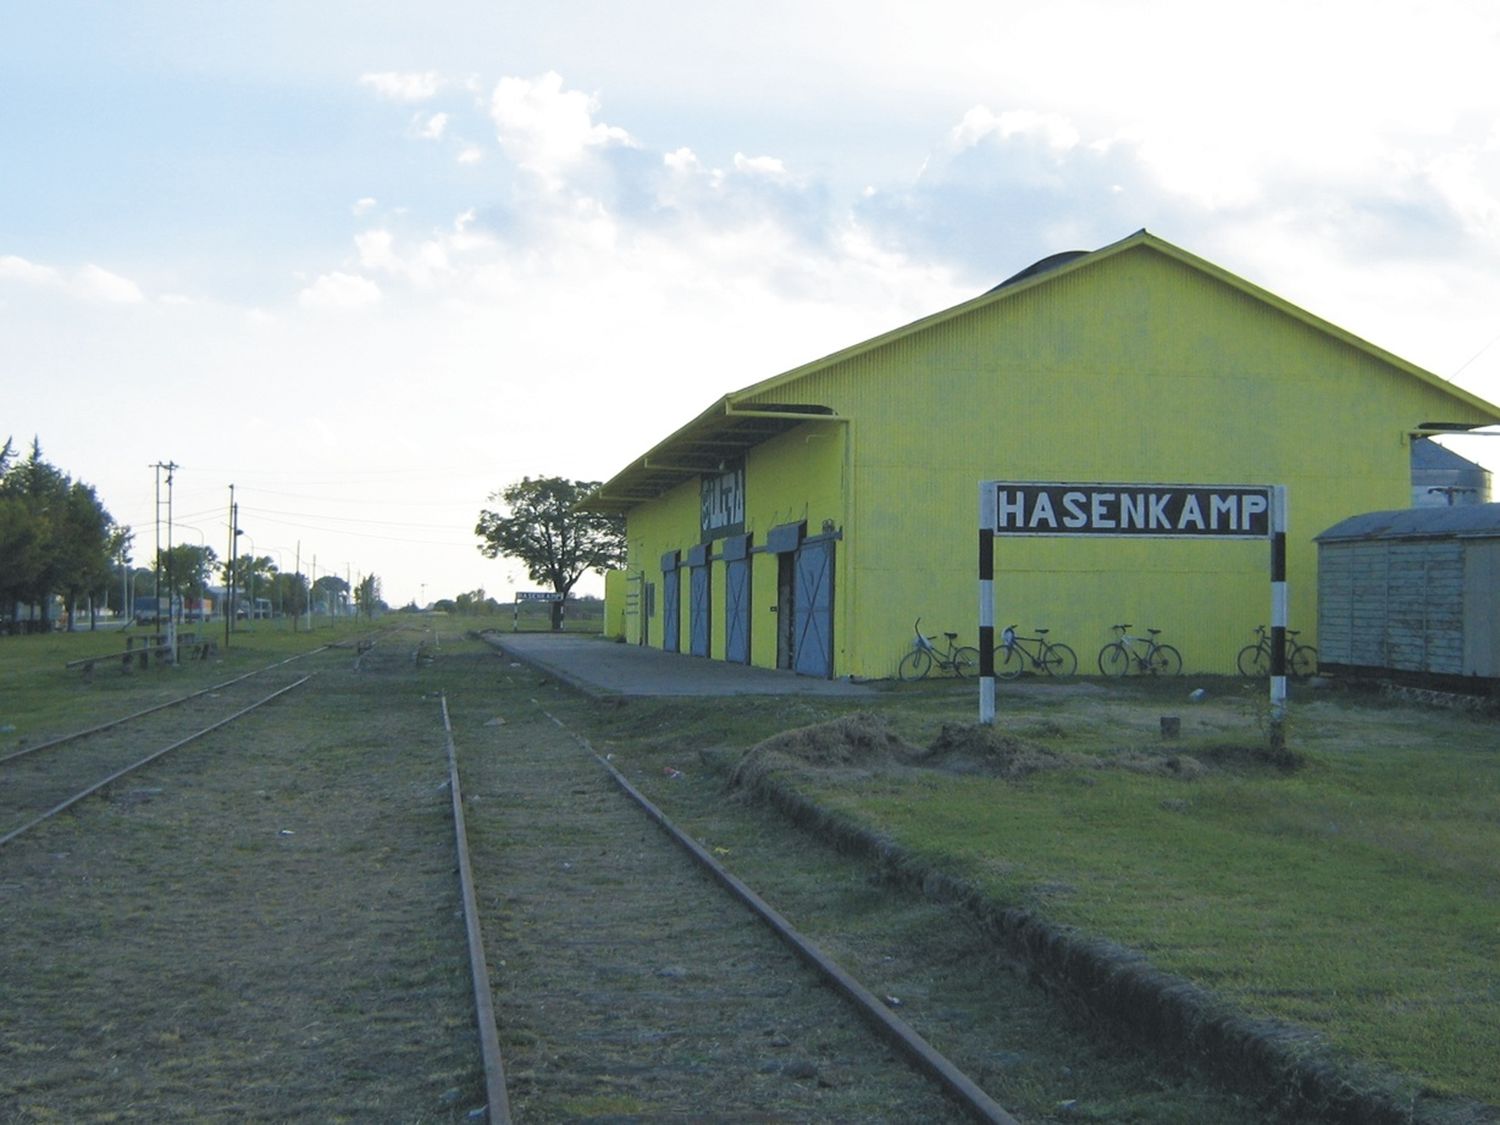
{"x":600,"y":667}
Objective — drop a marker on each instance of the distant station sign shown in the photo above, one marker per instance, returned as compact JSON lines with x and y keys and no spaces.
{"x":538,"y":596}
{"x":1180,"y":511}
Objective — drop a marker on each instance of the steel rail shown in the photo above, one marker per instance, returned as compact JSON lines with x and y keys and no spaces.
{"x":497,"y":1103}
{"x":58,"y":741}
{"x":927,"y":1057}
{"x":98,"y":785}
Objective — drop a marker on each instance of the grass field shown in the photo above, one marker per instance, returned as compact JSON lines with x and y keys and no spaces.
{"x":1355,"y":892}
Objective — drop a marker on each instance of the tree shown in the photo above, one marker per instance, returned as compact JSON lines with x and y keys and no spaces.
{"x":185,"y":570}
{"x":290,"y":595}
{"x":544,"y":530}
{"x":367,"y":595}
{"x":55,"y":535}
{"x":253,"y":576}
{"x":331,"y":592}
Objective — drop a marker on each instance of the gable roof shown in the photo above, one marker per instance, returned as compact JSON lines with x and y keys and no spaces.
{"x":689,"y":451}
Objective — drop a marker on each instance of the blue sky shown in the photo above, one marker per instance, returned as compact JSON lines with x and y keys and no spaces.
{"x":370,"y":262}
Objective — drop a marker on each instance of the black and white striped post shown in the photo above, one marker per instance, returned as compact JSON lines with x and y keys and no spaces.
{"x":986,"y":614}
{"x":1278,"y":616}
{"x":986,"y":604}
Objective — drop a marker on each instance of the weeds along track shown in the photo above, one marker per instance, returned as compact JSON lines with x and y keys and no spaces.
{"x":40,"y":782}
{"x":628,"y":983}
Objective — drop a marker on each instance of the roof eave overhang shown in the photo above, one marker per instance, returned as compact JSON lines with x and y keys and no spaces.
{"x":722,"y":434}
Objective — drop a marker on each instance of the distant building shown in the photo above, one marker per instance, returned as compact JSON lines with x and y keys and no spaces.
{"x":1441,"y":478}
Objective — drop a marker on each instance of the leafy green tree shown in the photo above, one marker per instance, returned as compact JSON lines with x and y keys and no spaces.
{"x":367,"y":595}
{"x":542,"y":528}
{"x":55,"y":535}
{"x":253,"y":577}
{"x":186,"y":569}
{"x":330,"y":592}
{"x":121,"y":539}
{"x":289,"y":595}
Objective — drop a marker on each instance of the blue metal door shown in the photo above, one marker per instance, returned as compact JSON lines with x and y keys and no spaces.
{"x":812,"y":650}
{"x":737,"y":611}
{"x":698,"y":619}
{"x":670,"y":617}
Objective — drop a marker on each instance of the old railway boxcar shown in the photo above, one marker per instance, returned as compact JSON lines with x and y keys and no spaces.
{"x":1413,"y":594}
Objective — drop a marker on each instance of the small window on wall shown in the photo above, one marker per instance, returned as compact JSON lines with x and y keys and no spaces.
{"x":650,"y":599}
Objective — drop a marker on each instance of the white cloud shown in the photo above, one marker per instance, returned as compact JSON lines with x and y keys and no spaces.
{"x":20,"y":270}
{"x":1054,"y":129}
{"x":470,"y":154}
{"x":767,"y":166}
{"x":546,"y":129}
{"x":89,"y":283}
{"x":377,"y":253}
{"x":403,"y":86}
{"x":102,"y":285}
{"x":338,"y":290}
{"x":363,"y":206}
{"x":433,"y":128}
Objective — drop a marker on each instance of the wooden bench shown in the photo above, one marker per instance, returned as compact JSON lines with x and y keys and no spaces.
{"x":138,"y":650}
{"x":132,"y":654}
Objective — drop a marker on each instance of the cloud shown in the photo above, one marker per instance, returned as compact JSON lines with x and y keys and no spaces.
{"x":89,"y":283}
{"x":402,"y":86}
{"x":99,"y":284}
{"x":363,"y":206}
{"x":1053,"y":129}
{"x":432,"y":129}
{"x":546,"y":129}
{"x":20,"y":270}
{"x":338,"y":290}
{"x":377,"y":254}
{"x":767,"y":166}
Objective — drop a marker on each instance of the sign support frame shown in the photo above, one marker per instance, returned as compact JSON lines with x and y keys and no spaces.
{"x":1275,"y":533}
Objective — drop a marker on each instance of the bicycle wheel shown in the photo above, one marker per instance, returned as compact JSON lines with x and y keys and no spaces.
{"x":915,"y":665}
{"x":1010,"y":662}
{"x":1059,"y":660}
{"x":1164,"y":661}
{"x":1113,"y":659}
{"x":1303,"y":662}
{"x":965,"y":661}
{"x":1254,"y":661}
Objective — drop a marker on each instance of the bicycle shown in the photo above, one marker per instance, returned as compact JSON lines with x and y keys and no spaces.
{"x":1255,"y":660}
{"x":918,"y":662}
{"x":1014,"y":654}
{"x":1144,"y":654}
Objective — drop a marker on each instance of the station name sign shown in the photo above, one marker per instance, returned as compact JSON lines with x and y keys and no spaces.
{"x":538,"y":596}
{"x":721,"y":506}
{"x":1181,"y":511}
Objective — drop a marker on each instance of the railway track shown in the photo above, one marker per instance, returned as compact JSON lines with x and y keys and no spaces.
{"x":277,"y":932}
{"x":43,"y":781}
{"x":627,"y":977}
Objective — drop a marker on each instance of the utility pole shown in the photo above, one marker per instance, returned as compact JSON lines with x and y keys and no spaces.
{"x":171,"y":467}
{"x":229,"y":571}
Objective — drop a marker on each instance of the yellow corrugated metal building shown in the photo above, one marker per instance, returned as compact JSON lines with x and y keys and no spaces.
{"x":807,"y":520}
